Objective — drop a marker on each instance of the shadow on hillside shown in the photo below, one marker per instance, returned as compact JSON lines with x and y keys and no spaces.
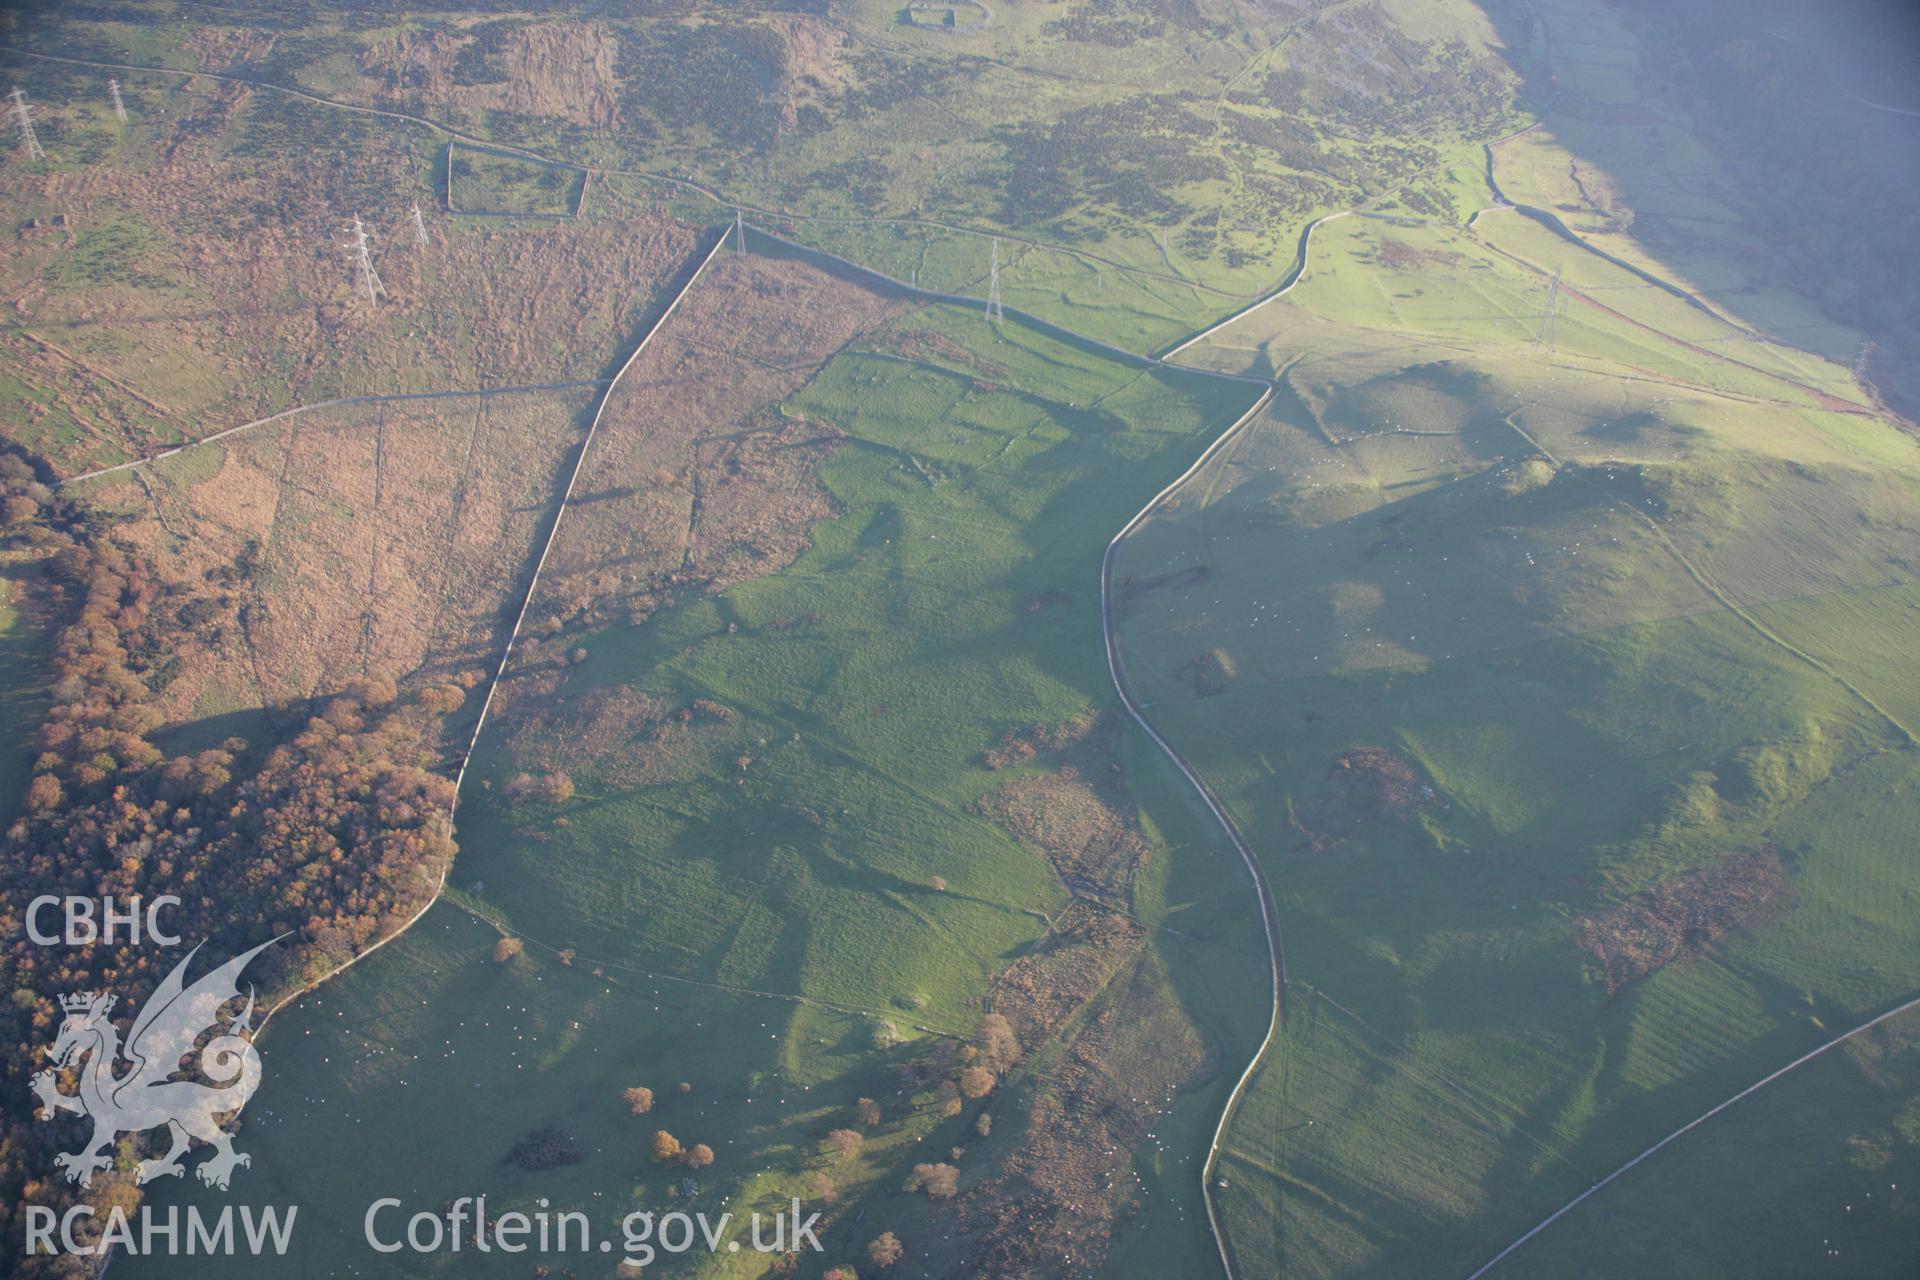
{"x":1800,"y":230}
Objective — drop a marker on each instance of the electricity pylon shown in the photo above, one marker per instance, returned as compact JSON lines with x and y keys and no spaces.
{"x":362,"y":254}
{"x":994,"y":310}
{"x":419,"y":226}
{"x":25,"y":117}
{"x":1544,"y":335}
{"x":119,"y":107}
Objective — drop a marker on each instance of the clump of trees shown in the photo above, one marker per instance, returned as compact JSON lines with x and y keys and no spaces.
{"x":938,"y":1181}
{"x":666,"y":1149}
{"x":639,"y":1100}
{"x":547,"y":788}
{"x":333,"y":834}
{"x":544,"y":1149}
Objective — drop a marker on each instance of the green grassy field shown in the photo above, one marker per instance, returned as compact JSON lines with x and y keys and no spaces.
{"x":486,"y":183}
{"x":1626,"y":607}
{"x":1835,"y":1145}
{"x":809,"y":869}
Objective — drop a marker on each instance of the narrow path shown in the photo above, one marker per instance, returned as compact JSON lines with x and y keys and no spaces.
{"x":1687,"y":1128}
{"x":284,"y":414}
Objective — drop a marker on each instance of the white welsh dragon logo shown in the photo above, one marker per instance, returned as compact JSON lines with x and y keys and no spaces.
{"x":166,"y":1029}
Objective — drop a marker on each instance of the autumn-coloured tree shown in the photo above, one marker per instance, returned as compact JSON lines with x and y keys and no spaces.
{"x":867,"y":1112}
{"x":842,"y":1273}
{"x":885,"y":1250}
{"x":939,"y":1181}
{"x":506,"y":949}
{"x":699,"y":1156}
{"x":639,"y":1100}
{"x":821,"y":1187}
{"x":844,"y":1144}
{"x":999,"y":1047}
{"x":443,"y":699}
{"x":551,"y":788}
{"x":685,"y":1087}
{"x":976,"y":1082}
{"x":947,"y":1096}
{"x":666,"y":1147}
{"x":43,"y":793}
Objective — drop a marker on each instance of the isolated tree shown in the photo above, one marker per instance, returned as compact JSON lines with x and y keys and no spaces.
{"x":984,"y":1125}
{"x":666,"y":1147}
{"x":939,"y":884}
{"x":842,"y":1273}
{"x":885,"y":1250}
{"x":948,"y":1094}
{"x":999,"y":1047}
{"x":506,"y":949}
{"x":844,"y":1144}
{"x":821,"y":1187}
{"x":939,"y":1181}
{"x":976,"y":1082}
{"x":868,"y":1112}
{"x":685,"y":1087}
{"x":699,"y":1156}
{"x":639,"y":1100}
